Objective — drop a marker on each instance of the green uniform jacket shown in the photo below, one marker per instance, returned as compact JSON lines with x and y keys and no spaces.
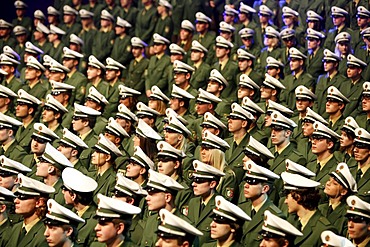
{"x":229,"y":71}
{"x":96,"y":9}
{"x":331,"y":34}
{"x":261,"y":61}
{"x":103,"y":44}
{"x":234,"y":156}
{"x":363,"y":122}
{"x":121,"y":51}
{"x":354,"y":107}
{"x":15,"y":152}
{"x":86,"y":233}
{"x":5,"y":232}
{"x":79,"y":81}
{"x":74,"y":28}
{"x":35,"y":237}
{"x":39,"y":90}
{"x":183,"y":197}
{"x":314,"y":65}
{"x":337,"y":126}
{"x":200,"y":76}
{"x":135,"y":233}
{"x":106,"y":183}
{"x":57,"y":52}
{"x":228,"y":186}
{"x":339,"y":81}
{"x":315,"y":226}
{"x":234,"y":244}
{"x":238,"y":40}
{"x":164,"y":27}
{"x":126,"y":243}
{"x":157,"y":73}
{"x":130,"y":16}
{"x":136,"y":77}
{"x":304,"y":146}
{"x":30,"y":162}
{"x":88,"y":37}
{"x":24,"y":22}
{"x":363,"y":185}
{"x":113,"y":99}
{"x":23,"y":136}
{"x":145,"y":24}
{"x":15,"y":84}
{"x":337,"y":217}
{"x":58,"y":194}
{"x":91,"y":139}
{"x":102,"y":87}
{"x":208,"y":40}
{"x":202,"y":220}
{"x":101,"y":122}
{"x":287,"y":96}
{"x":251,"y":229}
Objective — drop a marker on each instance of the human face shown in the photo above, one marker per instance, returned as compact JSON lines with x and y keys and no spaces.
{"x":228,"y":18}
{"x":320,"y":146}
{"x":289,"y":42}
{"x":220,"y":230}
{"x":332,"y":107}
{"x":202,"y":108}
{"x":201,"y":188}
{"x":25,"y":207}
{"x":302,"y":104}
{"x":68,"y":19}
{"x":175,"y":57}
{"x":106,"y":232}
{"x":56,"y":76}
{"x":98,"y":158}
{"x":4,"y":135}
{"x":8,"y":69}
{"x":244,"y":92}
{"x":184,"y":34}
{"x":136,"y":51}
{"x":38,"y":146}
{"x":269,"y":242}
{"x":292,"y":203}
{"x":67,"y":196}
{"x":205,"y":154}
{"x":8,"y":182}
{"x":69,"y":63}
{"x":345,"y":140}
{"x":247,"y":41}
{"x":221,"y":52}
{"x":159,"y":48}
{"x":266,"y":93}
{"x":343,"y":48}
{"x":180,"y":78}
{"x":362,"y":21}
{"x":153,"y":104}
{"x":42,"y":169}
{"x":338,"y":20}
{"x":175,"y":104}
{"x":104,"y":23}
{"x":119,"y":30}
{"x":92,"y":72}
{"x":243,"y":64}
{"x":365,"y":103}
{"x":252,"y":190}
{"x":48,"y":116}
{"x":307,"y":129}
{"x":124,"y":123}
{"x":52,"y":37}
{"x":263,"y":18}
{"x":78,"y":124}
{"x":278,"y":136}
{"x":195,"y":56}
{"x":21,"y":110}
{"x":172,"y":138}
{"x":332,"y":188}
{"x":55,"y":235}
{"x":312,"y":43}
{"x":273,"y":71}
{"x":295,"y":64}
{"x":167,"y":167}
{"x":167,"y":242}
{"x":156,"y":200}
{"x":111,"y":74}
{"x":358,"y":230}
{"x":133,"y":170}
{"x":201,"y":27}
{"x":31,"y":73}
{"x":65,"y":150}
{"x":329,"y":66}
{"x":213,"y":87}
{"x":361,"y":154}
{"x":38,"y":35}
{"x":235,"y":125}
{"x":288,"y":20}
{"x":226,"y":35}
{"x":353,"y":72}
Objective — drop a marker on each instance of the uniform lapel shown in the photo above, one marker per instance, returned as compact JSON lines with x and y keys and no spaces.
{"x":207,"y":209}
{"x":31,"y":234}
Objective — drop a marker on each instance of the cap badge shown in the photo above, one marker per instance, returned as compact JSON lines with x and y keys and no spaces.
{"x":327,"y":238}
{"x":353,"y":202}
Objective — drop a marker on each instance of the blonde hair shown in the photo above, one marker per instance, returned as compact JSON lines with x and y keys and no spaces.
{"x":162,"y":106}
{"x":217,"y":159}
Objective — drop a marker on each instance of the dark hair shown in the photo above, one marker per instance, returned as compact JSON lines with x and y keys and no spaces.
{"x":85,"y":198}
{"x":149,"y":147}
{"x":126,"y":222}
{"x":308,"y":198}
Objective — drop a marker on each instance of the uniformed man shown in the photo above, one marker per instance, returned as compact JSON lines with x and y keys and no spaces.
{"x":52,"y":115}
{"x":31,"y":197}
{"x":62,"y":219}
{"x":129,"y":12}
{"x":145,"y":21}
{"x":78,"y":192}
{"x":88,"y":31}
{"x":55,"y":36}
{"x":251,"y":79}
{"x":40,"y":37}
{"x":175,"y":231}
{"x":95,"y":73}
{"x":258,"y":182}
{"x":162,"y":191}
{"x":277,"y":230}
{"x":205,"y":180}
{"x":53,"y":16}
{"x":340,"y":185}
{"x":20,"y":34}
{"x":9,"y":65}
{"x":204,"y":36}
{"x":6,"y":203}
{"x":9,"y":171}
{"x":226,"y":67}
{"x":226,"y":31}
{"x":127,"y":120}
{"x":270,"y":91}
{"x":311,"y":222}
{"x":137,"y":69}
{"x":362,"y":119}
{"x":249,"y":42}
{"x":201,"y":69}
{"x":239,"y":122}
{"x":70,"y":24}
{"x":114,"y":218}
{"x":121,"y":51}
{"x":297,"y":78}
{"x":344,"y":48}
{"x":71,"y":60}
{"x":358,"y":218}
{"x":245,"y":21}
{"x":180,"y":103}
{"x":227,"y":224}
{"x":355,"y":67}
{"x":33,"y":73}
{"x":26,"y":110}
{"x":330,"y":78}
{"x":338,"y":16}
{"x":157,"y":68}
{"x":335,"y":105}
{"x":164,"y":25}
{"x":315,"y":54}
{"x":255,"y":127}
{"x":274,"y":68}
{"x":139,"y":166}
{"x":22,"y":19}
{"x":323,"y":145}
{"x":363,"y":15}
{"x":265,"y":15}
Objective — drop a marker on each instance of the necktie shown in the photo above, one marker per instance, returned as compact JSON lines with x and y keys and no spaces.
{"x":299,"y":225}
{"x":253,"y":213}
{"x":234,"y":145}
{"x":276,"y":154}
{"x":2,"y":151}
{"x":346,"y":157}
{"x":22,"y":234}
{"x":330,"y":210}
{"x":328,"y":80}
{"x":330,"y":124}
{"x":318,"y":168}
{"x":358,"y":175}
{"x":135,"y":63}
{"x":202,"y":206}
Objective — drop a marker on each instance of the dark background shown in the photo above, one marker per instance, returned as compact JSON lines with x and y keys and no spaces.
{"x":7,"y":9}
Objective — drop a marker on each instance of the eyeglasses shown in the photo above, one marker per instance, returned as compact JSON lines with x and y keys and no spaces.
{"x":356,"y":219}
